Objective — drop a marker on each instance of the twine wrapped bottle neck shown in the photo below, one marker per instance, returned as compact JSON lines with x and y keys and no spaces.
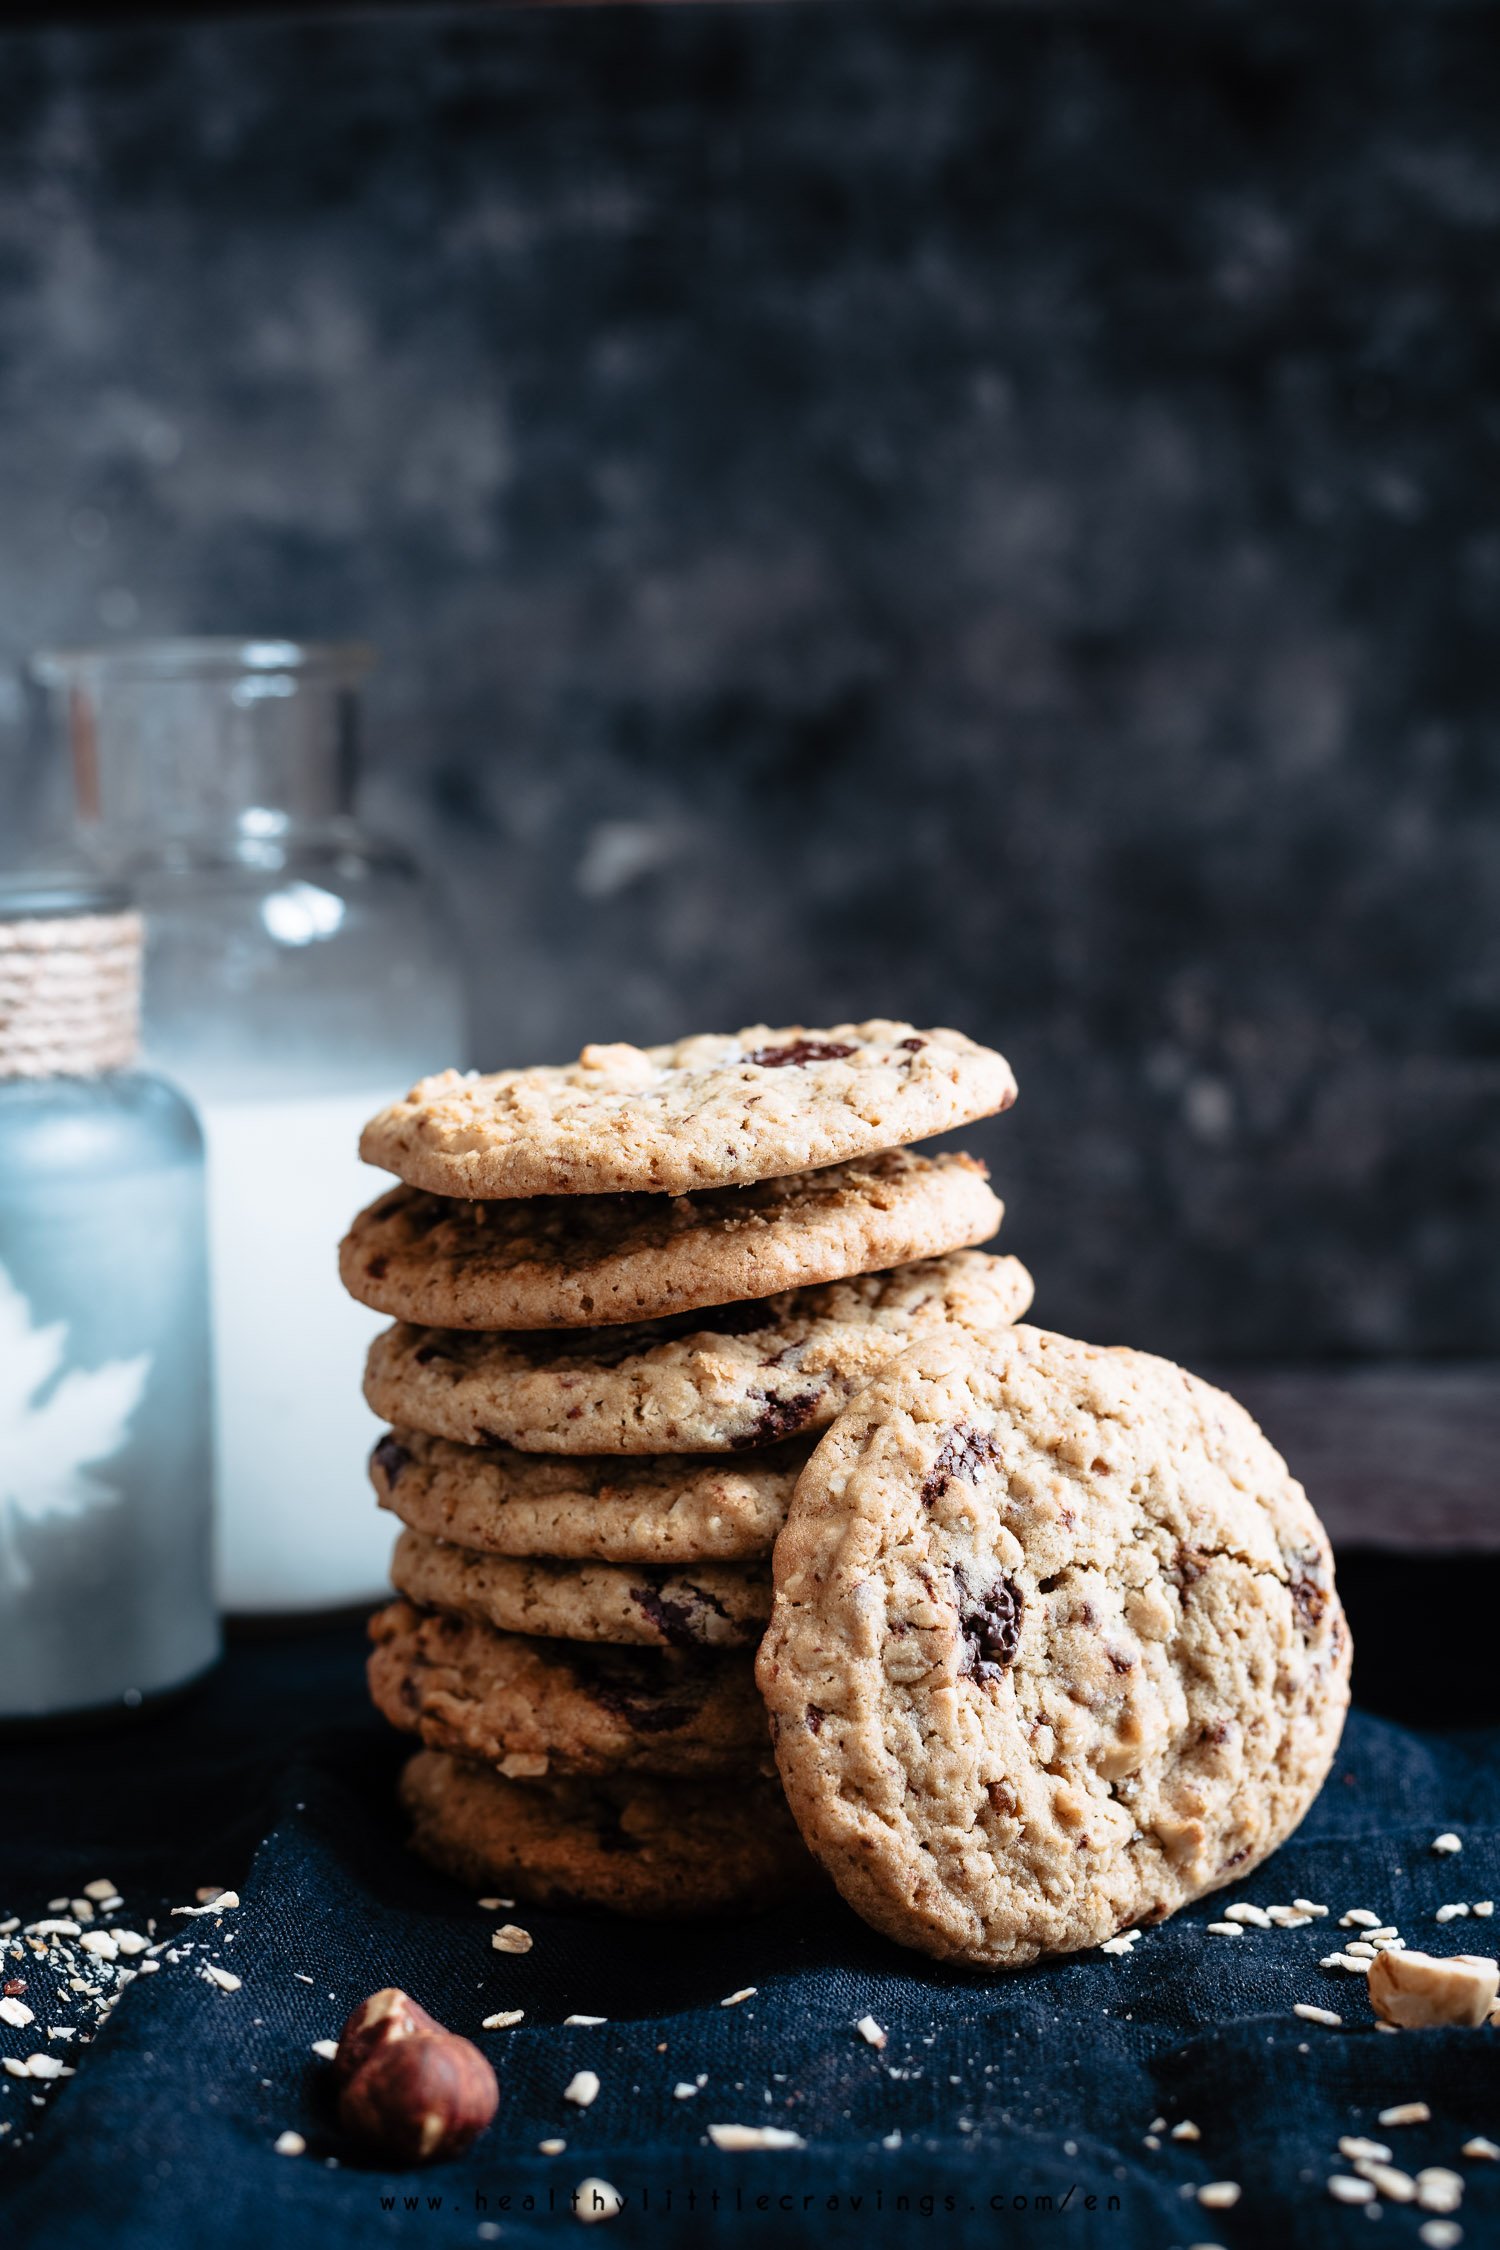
{"x":70,"y":994}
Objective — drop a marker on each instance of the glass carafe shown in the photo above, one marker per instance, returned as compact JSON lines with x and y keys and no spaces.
{"x":298,"y":977}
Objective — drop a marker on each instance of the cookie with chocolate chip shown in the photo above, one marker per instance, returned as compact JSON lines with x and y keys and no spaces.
{"x":700,"y":1605}
{"x":626,"y":1843}
{"x":584,"y":1260}
{"x":708,"y":1112}
{"x":708,"y":1382}
{"x":1055,"y":1647}
{"x":663,"y":1510}
{"x":529,"y":1706}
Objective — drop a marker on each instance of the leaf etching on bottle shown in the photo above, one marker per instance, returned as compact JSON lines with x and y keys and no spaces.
{"x":55,"y":1428}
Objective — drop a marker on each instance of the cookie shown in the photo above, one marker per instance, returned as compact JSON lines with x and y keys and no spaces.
{"x":1055,"y":1647}
{"x":681,"y":1508}
{"x":635,"y":1846}
{"x":531,"y":1707}
{"x":708,"y":1605}
{"x":715,"y":1111}
{"x":709,"y":1382}
{"x":580,"y":1261}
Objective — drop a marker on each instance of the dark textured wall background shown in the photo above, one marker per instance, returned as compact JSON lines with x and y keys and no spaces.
{"x":984,"y":515}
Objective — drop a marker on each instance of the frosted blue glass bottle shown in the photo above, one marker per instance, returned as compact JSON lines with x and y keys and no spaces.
{"x":106,"y":1588}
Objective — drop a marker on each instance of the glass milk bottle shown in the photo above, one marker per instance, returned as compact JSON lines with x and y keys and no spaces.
{"x":106,"y":1495}
{"x":297,"y":980}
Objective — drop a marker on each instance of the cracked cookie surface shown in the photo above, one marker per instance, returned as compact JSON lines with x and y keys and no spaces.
{"x":585,"y":1260}
{"x":1055,"y":1647}
{"x":719,"y":1110}
{"x":683,"y":1508}
{"x":708,"y":1605}
{"x":741,"y":1375}
{"x":629,"y":1844}
{"x":528,"y":1706}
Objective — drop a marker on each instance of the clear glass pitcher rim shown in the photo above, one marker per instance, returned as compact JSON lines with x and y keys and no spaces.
{"x":207,"y":657}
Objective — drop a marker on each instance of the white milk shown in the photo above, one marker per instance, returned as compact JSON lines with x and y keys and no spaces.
{"x":298,"y":1524}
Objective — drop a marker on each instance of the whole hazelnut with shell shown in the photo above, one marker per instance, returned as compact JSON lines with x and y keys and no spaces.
{"x":410,"y":2091}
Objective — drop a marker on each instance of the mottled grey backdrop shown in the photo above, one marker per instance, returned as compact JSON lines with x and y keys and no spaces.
{"x":980,"y":514}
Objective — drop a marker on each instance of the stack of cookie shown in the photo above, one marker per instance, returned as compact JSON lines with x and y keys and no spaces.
{"x":628,"y":1295}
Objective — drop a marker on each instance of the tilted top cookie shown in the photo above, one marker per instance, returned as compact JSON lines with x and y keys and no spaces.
{"x":715,"y":1111}
{"x":708,"y":1382}
{"x":582,"y":1260}
{"x":1055,"y":1646}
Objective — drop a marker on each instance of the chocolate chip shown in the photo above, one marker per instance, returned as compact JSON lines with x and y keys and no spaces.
{"x":779,"y":1418}
{"x":962,"y":1453}
{"x":813,"y":1716}
{"x":989,"y":1619}
{"x":425,"y":1354}
{"x":13,"y":1986}
{"x":913,"y":1046}
{"x":1309,"y":1600}
{"x":376,"y":1268}
{"x":682,"y":1620}
{"x":628,"y":1683}
{"x":390,"y":1458}
{"x":801,"y":1051}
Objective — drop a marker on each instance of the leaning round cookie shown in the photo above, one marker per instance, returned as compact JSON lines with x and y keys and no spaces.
{"x":580,"y":1261}
{"x":632,"y":1845}
{"x":530,"y":1707}
{"x":740,"y":1375}
{"x":577,"y":1507}
{"x":709,"y":1605}
{"x":1055,"y":1647}
{"x":715,"y":1111}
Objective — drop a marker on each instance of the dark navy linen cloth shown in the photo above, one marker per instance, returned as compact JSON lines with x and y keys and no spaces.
{"x":1011,"y":2109}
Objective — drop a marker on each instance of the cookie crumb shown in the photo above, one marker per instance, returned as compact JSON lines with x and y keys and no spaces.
{"x":1226,"y":1929}
{"x":1359,"y":1918}
{"x":1451,"y":1911}
{"x":212,"y":1974}
{"x":870,"y":2031}
{"x":326,"y":2048}
{"x":596,"y":2199}
{"x":684,"y":2090}
{"x":1439,"y":2189}
{"x":754,"y":2136}
{"x":511,"y":1938}
{"x":1346,"y":2189}
{"x":551,"y":2148}
{"x":585,"y":2019}
{"x":1440,"y":2234}
{"x":1219,"y":2195}
{"x":1186,"y":2131}
{"x":1405,"y":2113}
{"x":1396,"y":2186}
{"x":1479,"y":2146}
{"x":734,"y":1999}
{"x":290,"y":2144}
{"x":582,"y":2088}
{"x":1417,"y":1990}
{"x":1312,"y":2014}
{"x":1447,"y":1842}
{"x":1354,"y":2146}
{"x":503,"y":2020}
{"x":1255,"y":1917}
